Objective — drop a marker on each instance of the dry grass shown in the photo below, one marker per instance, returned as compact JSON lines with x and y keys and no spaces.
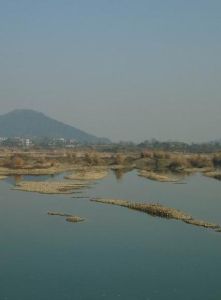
{"x":95,"y":173}
{"x":74,"y":219}
{"x":200,"y":161}
{"x":43,"y":162}
{"x":50,"y":187}
{"x":158,"y":177}
{"x":213,"y":174}
{"x":160,"y":211}
{"x":217,"y":160}
{"x":58,"y":168}
{"x":119,"y":159}
{"x":68,"y":217}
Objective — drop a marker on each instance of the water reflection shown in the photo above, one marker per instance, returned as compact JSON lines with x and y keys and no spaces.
{"x":120,"y":172}
{"x":17,"y":179}
{"x":132,"y":247}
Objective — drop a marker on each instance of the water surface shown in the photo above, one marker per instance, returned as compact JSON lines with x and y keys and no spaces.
{"x":117,"y":253}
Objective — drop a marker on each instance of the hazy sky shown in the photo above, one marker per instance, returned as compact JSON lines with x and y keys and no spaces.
{"x":124,"y":69}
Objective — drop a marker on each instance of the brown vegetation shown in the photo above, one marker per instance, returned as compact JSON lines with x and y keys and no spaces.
{"x":217,"y":160}
{"x":213,"y":174}
{"x":68,"y":217}
{"x":160,"y":211}
{"x":162,"y":177}
{"x":59,"y":160}
{"x":199,"y":161}
{"x":50,"y":187}
{"x":92,"y":173}
{"x":93,"y":159}
{"x":119,"y":159}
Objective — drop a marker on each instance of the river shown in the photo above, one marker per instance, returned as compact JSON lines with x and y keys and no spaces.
{"x":116,"y":253}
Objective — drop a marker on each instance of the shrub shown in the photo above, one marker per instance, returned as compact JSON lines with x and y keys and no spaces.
{"x":88,"y":158}
{"x":161,"y":155}
{"x":177,"y":164}
{"x":119,"y":159}
{"x":16,"y":162}
{"x":146,"y":154}
{"x":71,"y":157}
{"x":199,"y":161}
{"x":96,"y":160}
{"x":217,"y":160}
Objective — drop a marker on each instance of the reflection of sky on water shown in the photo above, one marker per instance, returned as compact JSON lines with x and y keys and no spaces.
{"x":116,"y":253}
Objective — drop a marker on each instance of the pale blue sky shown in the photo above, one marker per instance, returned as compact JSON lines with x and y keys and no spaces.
{"x":129,"y":70}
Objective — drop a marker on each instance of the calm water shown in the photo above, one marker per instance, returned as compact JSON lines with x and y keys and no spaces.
{"x":117,"y":253}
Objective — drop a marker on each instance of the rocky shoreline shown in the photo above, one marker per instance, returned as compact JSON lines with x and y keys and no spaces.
{"x":160,"y":211}
{"x":161,"y":177}
{"x":68,"y":217}
{"x":50,"y":187}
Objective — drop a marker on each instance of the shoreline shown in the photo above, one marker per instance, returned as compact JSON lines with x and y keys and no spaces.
{"x":158,"y":210}
{"x":50,"y":187}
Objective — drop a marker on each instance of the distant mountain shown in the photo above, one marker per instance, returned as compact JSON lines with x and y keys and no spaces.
{"x":30,"y":123}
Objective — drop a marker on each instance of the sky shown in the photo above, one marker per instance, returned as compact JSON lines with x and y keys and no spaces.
{"x":123,"y":69}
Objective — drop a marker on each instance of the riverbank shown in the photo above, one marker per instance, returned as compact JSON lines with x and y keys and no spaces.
{"x":51,"y":187}
{"x":93,"y":165}
{"x":214,"y":174}
{"x":88,"y":173}
{"x":159,"y":176}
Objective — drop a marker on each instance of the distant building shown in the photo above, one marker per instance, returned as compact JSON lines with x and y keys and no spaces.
{"x":2,"y":139}
{"x":26,"y":142}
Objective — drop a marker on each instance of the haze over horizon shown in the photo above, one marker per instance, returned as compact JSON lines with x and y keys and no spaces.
{"x":126,"y":70}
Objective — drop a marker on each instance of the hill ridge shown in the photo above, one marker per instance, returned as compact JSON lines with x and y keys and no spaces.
{"x":31,"y":123}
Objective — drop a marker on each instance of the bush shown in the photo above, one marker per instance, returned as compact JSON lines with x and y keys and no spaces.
{"x":16,"y":162}
{"x":96,"y":160}
{"x":119,"y":159}
{"x":88,"y":158}
{"x":71,"y":157}
{"x":146,"y":154}
{"x":217,"y":160}
{"x":199,"y":161}
{"x":93,"y":158}
{"x":161,"y":155}
{"x":177,"y":164}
